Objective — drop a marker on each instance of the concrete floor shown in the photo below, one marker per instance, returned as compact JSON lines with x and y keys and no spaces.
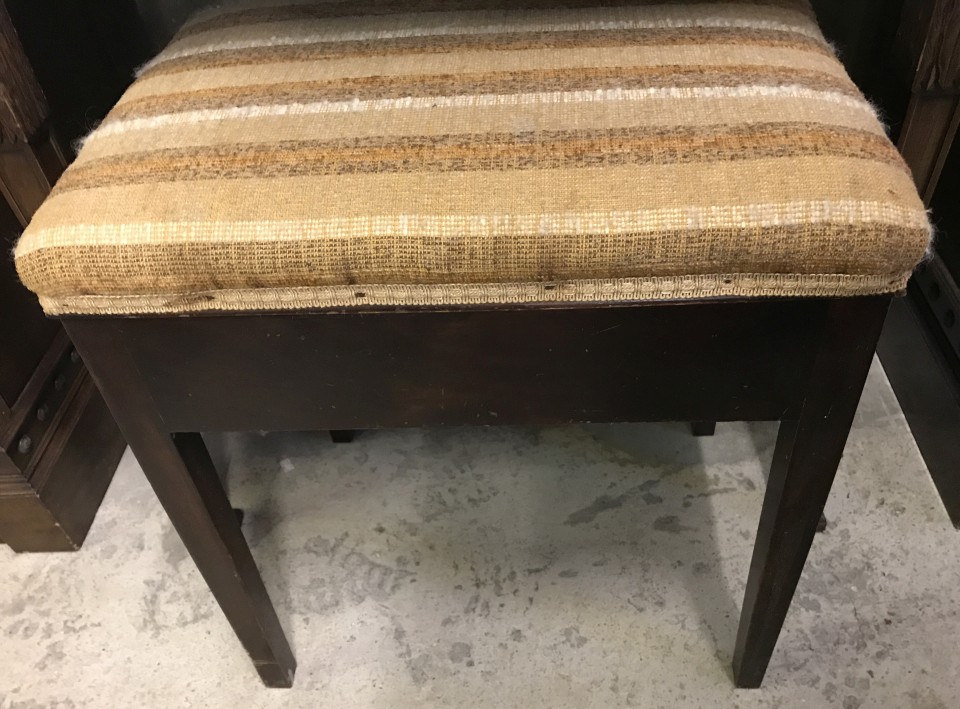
{"x":585,"y":566}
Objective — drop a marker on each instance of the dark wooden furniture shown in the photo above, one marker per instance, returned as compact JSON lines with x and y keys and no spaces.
{"x":59,"y":445}
{"x":919,"y":80}
{"x":802,"y":362}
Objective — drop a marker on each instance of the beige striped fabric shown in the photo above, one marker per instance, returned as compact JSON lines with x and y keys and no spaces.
{"x":284,"y":155}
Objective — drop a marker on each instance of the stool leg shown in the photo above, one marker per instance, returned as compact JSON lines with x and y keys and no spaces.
{"x":184,"y":479}
{"x":344,"y":436}
{"x":703,"y":428}
{"x":808,"y":450}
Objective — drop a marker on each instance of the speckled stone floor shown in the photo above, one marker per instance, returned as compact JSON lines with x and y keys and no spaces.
{"x":564,"y":567}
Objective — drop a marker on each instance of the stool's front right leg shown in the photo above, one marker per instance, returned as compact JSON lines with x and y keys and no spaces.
{"x":809,"y":446}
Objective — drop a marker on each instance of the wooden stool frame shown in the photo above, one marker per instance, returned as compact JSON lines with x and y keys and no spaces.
{"x":800,"y":361}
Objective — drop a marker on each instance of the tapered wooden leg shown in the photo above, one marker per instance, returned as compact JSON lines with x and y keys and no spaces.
{"x":343,"y":436}
{"x":703,"y":428}
{"x":182,"y":474}
{"x":807,"y":453}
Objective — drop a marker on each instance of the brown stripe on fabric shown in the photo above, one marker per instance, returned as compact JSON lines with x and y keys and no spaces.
{"x":496,"y":83}
{"x":803,"y":187}
{"x":349,"y":8}
{"x":484,"y":61}
{"x":519,"y":41}
{"x":143,"y":268}
{"x":465,"y":153}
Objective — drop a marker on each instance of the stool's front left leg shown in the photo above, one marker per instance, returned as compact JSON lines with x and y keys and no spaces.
{"x":184,"y":479}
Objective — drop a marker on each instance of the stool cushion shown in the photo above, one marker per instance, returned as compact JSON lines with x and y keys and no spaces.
{"x":291,"y":156}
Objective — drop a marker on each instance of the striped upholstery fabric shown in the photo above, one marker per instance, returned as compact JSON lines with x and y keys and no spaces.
{"x":284,"y":155}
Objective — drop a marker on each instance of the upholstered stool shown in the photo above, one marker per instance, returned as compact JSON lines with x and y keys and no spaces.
{"x":319,"y":215}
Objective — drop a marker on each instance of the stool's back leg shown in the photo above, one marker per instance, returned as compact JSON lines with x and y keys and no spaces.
{"x":703,"y":428}
{"x":183,"y":477}
{"x":809,"y":446}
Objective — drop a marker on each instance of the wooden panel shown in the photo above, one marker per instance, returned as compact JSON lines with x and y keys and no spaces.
{"x":53,"y":510}
{"x":928,"y":44}
{"x":28,"y":171}
{"x":929,"y":129}
{"x":21,"y":320}
{"x":59,"y":445}
{"x":22,"y":182}
{"x":942,"y":295}
{"x":927,"y":387}
{"x":83,"y":53}
{"x":23,"y":516}
{"x":77,"y":463}
{"x":534,"y":365}
{"x":22,"y":104}
{"x":47,"y":389}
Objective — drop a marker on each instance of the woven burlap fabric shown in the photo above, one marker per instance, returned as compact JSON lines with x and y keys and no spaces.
{"x":295,"y":156}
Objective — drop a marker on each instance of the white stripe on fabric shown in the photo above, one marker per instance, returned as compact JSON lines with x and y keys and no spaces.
{"x":454,"y":30}
{"x":126,"y":125}
{"x":745,"y":216}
